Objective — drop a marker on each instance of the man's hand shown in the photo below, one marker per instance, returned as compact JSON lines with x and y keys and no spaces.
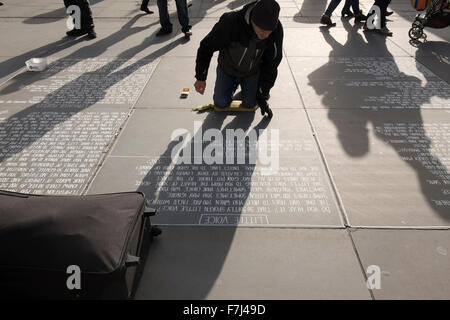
{"x":264,"y":106}
{"x":200,"y":86}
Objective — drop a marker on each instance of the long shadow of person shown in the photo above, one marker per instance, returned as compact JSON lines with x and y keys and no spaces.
{"x":83,"y":91}
{"x":435,"y":55}
{"x":26,"y":127}
{"x":381,"y":95}
{"x":198,"y":194}
{"x":91,"y":51}
{"x":16,"y":63}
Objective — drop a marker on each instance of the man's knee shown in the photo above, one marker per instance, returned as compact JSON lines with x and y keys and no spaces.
{"x":249,"y":102}
{"x":221,"y":101}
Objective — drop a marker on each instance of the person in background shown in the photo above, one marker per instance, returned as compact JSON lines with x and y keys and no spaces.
{"x":359,"y":16}
{"x":87,"y":22}
{"x":144,"y":7}
{"x":347,"y":12}
{"x":382,"y":4}
{"x":164,"y":20}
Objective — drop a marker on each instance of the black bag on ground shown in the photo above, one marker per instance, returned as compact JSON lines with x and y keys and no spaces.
{"x":106,"y":236}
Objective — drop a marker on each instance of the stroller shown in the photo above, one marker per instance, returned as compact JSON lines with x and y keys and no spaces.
{"x":437,"y":15}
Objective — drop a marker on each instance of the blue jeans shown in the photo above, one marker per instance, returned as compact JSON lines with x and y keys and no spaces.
{"x":226,"y":85}
{"x":182,"y":11}
{"x":334,"y":3}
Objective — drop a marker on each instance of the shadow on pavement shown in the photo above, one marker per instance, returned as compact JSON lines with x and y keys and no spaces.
{"x":78,"y":94}
{"x":345,"y":102}
{"x":435,"y":55}
{"x":186,"y":271}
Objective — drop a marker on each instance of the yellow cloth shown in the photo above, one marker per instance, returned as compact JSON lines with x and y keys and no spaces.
{"x":234,"y":106}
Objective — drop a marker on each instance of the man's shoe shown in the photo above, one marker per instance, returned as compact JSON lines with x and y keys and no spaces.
{"x":360,"y":17}
{"x":163,"y":32}
{"x":76,"y":32}
{"x":187,"y":31}
{"x":326,"y":20}
{"x":388,"y":13}
{"x":385,"y":31}
{"x":91,"y":34}
{"x":145,"y":9}
{"x":347,"y":12}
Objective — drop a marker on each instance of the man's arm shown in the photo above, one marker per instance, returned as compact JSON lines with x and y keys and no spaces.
{"x":219,"y":37}
{"x":269,"y":66}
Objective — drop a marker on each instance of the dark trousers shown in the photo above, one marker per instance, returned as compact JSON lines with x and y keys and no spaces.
{"x":334,"y":3}
{"x":145,"y":3}
{"x":182,"y":12}
{"x":226,"y":85}
{"x":87,"y":22}
{"x":382,"y":4}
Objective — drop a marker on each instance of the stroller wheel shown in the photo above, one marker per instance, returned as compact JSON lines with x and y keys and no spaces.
{"x":415,"y":33}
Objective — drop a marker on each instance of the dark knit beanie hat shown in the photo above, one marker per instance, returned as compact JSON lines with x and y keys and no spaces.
{"x":265,"y":14}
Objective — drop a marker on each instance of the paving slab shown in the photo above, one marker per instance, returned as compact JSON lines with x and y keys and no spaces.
{"x":80,"y":83}
{"x":52,"y":151}
{"x":228,"y":263}
{"x":414,"y":264}
{"x":175,"y":73}
{"x":390,"y":167}
{"x":435,"y":56}
{"x":401,"y":38}
{"x":350,"y":41}
{"x":369,"y":83}
{"x":290,"y":188}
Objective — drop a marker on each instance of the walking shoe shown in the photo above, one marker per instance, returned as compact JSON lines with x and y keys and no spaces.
{"x":145,"y":9}
{"x":76,"y":32}
{"x":385,"y":31}
{"x":388,"y":13}
{"x":91,"y":33}
{"x":326,"y":20}
{"x":347,"y":12}
{"x":360,"y":17}
{"x":163,"y":32}
{"x":187,"y":31}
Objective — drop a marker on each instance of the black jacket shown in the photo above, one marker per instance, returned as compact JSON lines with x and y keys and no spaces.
{"x":241,"y":53}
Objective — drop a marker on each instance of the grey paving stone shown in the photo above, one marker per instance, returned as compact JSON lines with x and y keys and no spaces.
{"x":54,"y":152}
{"x":414,"y":264}
{"x":372,"y":83}
{"x":78,"y":83}
{"x":155,"y":128}
{"x":199,"y":194}
{"x":175,"y":73}
{"x":348,"y":42}
{"x":229,"y":263}
{"x":434,"y":55}
{"x":402,"y":39}
{"x":390,"y":167}
{"x":290,"y":188}
{"x":360,"y":68}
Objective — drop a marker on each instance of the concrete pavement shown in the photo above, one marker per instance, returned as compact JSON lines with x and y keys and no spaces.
{"x":362,"y":172}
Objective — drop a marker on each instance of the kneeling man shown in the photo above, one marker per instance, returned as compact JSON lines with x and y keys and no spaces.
{"x":249,"y":42}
